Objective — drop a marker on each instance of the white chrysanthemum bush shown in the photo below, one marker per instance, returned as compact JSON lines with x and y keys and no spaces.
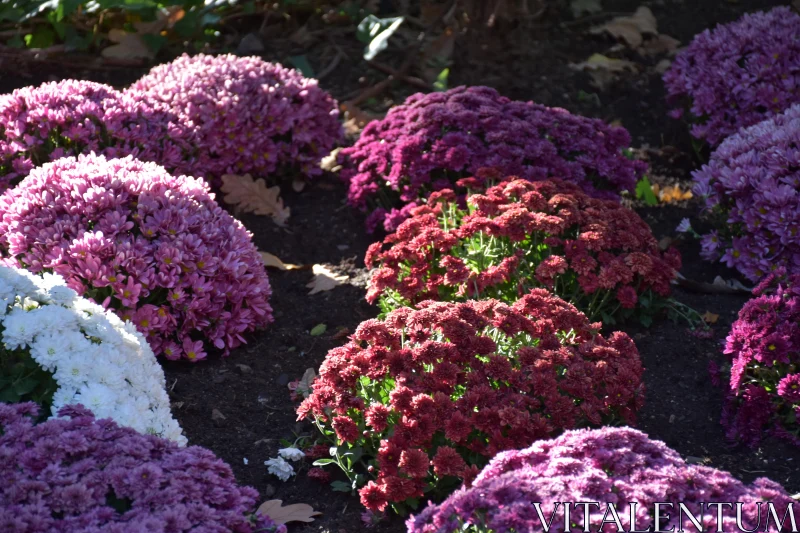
{"x":57,"y":349}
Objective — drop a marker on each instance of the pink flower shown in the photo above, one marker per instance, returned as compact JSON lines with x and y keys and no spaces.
{"x":193,"y":350}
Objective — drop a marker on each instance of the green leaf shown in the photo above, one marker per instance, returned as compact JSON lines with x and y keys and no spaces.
{"x":66,"y":8}
{"x":646,"y":320}
{"x":318,"y":330}
{"x":25,"y":386}
{"x":341,"y":486}
{"x":154,"y":42}
{"x":323,"y":462}
{"x":301,"y":63}
{"x":441,"y":80}
{"x":15,"y":42}
{"x":644,"y":191}
{"x":41,"y":38}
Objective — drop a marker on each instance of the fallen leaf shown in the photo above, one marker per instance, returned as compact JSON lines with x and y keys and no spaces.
{"x":355,"y":119}
{"x":671,"y":193}
{"x":280,"y":514}
{"x":216,"y":415}
{"x":303,"y":386}
{"x":665,"y":243}
{"x":318,"y":330}
{"x":298,"y":185}
{"x":631,"y":29}
{"x":273,"y":261}
{"x":710,"y":318}
{"x":324,"y":279}
{"x":589,"y":7}
{"x":253,"y":196}
{"x":732,"y":284}
{"x":604,"y":70}
{"x":660,"y":44}
{"x":331,"y":161}
{"x":341,"y":333}
{"x":132,"y":45}
{"x":662,"y":66}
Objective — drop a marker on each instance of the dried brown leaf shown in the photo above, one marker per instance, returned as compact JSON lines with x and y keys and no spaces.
{"x":710,"y":318}
{"x":660,"y":44}
{"x":324,"y":279}
{"x":253,"y":196}
{"x":273,"y":261}
{"x":298,"y":185}
{"x":281,"y":514}
{"x":604,"y":70}
{"x":631,"y":29}
{"x":330,"y":162}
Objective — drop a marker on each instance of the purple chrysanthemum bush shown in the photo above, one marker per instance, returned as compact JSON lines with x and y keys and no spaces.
{"x":248,"y":115}
{"x":609,"y":465}
{"x":737,"y":74}
{"x":764,"y":349}
{"x":433,"y":140}
{"x":750,"y":187}
{"x":77,"y":474}
{"x":154,"y":248}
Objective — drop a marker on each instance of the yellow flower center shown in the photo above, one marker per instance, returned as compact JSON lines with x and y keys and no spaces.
{"x":191,"y":355}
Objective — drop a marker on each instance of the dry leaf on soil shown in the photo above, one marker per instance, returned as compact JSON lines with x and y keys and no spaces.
{"x":710,"y":318}
{"x":671,"y":193}
{"x":324,"y":279}
{"x":253,"y":196}
{"x":131,"y":45}
{"x":604,"y":70}
{"x":631,"y":29}
{"x":330,"y":162}
{"x":274,"y":261}
{"x":280,"y":514}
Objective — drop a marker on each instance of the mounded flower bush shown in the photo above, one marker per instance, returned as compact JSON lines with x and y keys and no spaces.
{"x":427,"y":396}
{"x":154,"y":248}
{"x":80,"y":474}
{"x":737,"y":74}
{"x":609,"y":465}
{"x":750,"y":187}
{"x":432,"y":140}
{"x":59,"y":349}
{"x":247,"y":115}
{"x":764,"y":349}
{"x":70,"y":117}
{"x":596,"y":254}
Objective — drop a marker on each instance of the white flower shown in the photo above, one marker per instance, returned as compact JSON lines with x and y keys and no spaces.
{"x":684,"y":226}
{"x":280,"y":468}
{"x":245,"y":461}
{"x":291,"y":454}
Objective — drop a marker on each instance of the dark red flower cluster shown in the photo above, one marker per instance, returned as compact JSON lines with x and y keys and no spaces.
{"x":430,"y":394}
{"x":518,"y":235}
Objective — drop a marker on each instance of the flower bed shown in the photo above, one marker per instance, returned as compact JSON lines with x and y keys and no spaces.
{"x":432,"y":140}
{"x":247,"y":115}
{"x":598,"y":255}
{"x":154,"y":248}
{"x":750,"y":187}
{"x":737,"y":74}
{"x":80,"y":474}
{"x":57,"y":349}
{"x":427,"y":396}
{"x":610,"y":465}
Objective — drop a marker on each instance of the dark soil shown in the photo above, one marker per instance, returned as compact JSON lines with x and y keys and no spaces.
{"x":249,"y":389}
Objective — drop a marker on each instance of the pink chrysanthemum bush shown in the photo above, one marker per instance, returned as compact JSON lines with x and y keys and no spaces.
{"x":76,"y":473}
{"x":41,"y":124}
{"x":750,"y":187}
{"x":427,"y":396}
{"x":737,"y":74}
{"x":248,"y":115}
{"x":432,"y":140}
{"x":598,"y":255}
{"x":619,"y":466}
{"x":154,"y":248}
{"x":764,"y":350}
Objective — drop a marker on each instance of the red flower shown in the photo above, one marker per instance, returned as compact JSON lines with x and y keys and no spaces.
{"x":373,"y":497}
{"x":319,"y":474}
{"x":414,"y":463}
{"x":627,"y":297}
{"x":448,"y":462}
{"x":377,"y":416}
{"x":345,"y":428}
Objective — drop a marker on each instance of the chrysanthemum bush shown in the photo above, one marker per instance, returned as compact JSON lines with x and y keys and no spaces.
{"x":53,"y":120}
{"x":76,"y":473}
{"x":750,"y":187}
{"x":154,"y":248}
{"x":764,"y":350}
{"x":737,"y":74}
{"x":596,"y":254}
{"x":57,"y":349}
{"x":247,"y":115}
{"x":425,"y":397}
{"x":432,"y":140}
{"x":621,"y":466}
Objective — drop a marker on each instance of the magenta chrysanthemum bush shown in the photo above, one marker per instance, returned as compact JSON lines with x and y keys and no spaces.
{"x":247,"y":115}
{"x":155,"y":248}
{"x":78,"y":474}
{"x":737,"y":74}
{"x":432,"y":140}
{"x":764,"y":348}
{"x":750,"y":187}
{"x":619,"y":466}
{"x":41,"y":124}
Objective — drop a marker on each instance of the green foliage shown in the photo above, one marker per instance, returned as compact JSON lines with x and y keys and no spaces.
{"x":22,"y":379}
{"x":644,"y":192}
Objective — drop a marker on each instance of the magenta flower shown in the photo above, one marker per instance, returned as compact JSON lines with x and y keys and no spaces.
{"x":193,"y":350}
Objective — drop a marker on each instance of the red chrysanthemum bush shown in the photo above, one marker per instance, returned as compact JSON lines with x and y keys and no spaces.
{"x":427,"y":396}
{"x":596,"y":254}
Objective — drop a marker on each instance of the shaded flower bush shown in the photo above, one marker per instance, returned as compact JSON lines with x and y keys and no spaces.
{"x":737,"y":74}
{"x":70,"y":117}
{"x":247,"y":115}
{"x":750,"y":187}
{"x":80,"y":474}
{"x":59,"y":349}
{"x":764,"y":349}
{"x":609,"y":465}
{"x":154,"y":248}
{"x":594,"y":253}
{"x":427,"y":396}
{"x":432,"y":140}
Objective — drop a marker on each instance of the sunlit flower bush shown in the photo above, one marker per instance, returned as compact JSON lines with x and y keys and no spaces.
{"x":154,"y":248}
{"x":58,"y":349}
{"x":247,"y":115}
{"x":432,"y":140}
{"x":764,"y":349}
{"x":609,"y":465}
{"x":737,"y":74}
{"x":596,"y":254}
{"x":70,"y":117}
{"x":76,"y":473}
{"x":750,"y":187}
{"x":427,"y":396}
